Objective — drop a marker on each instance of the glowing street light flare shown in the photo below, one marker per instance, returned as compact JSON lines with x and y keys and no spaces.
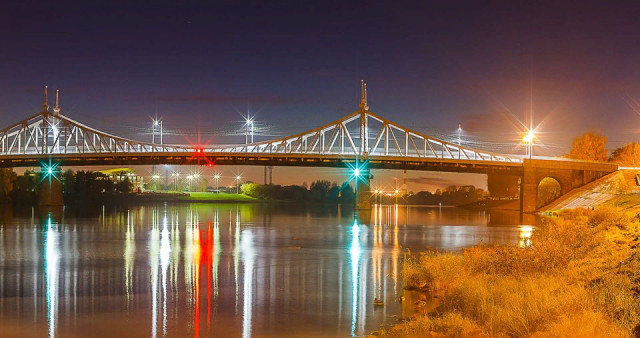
{"x":49,"y":170}
{"x":249,"y":124}
{"x":528,"y":139}
{"x":156,"y":124}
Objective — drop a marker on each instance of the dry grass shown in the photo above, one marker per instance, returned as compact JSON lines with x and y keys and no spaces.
{"x":450,"y":325}
{"x":579,"y":278}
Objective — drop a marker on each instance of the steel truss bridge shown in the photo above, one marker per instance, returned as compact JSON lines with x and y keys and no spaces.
{"x":361,"y":135}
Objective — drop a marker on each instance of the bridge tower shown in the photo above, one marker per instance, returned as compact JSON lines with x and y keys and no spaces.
{"x":45,"y":105}
{"x":363,"y":198}
{"x":56,"y":109}
{"x":364,"y":126}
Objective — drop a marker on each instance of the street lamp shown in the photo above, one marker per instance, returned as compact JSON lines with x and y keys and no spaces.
{"x":190,"y":178}
{"x":248,"y":122}
{"x":217,"y":178}
{"x":156,"y":125}
{"x":238,"y":178}
{"x":175,"y":180}
{"x":459,"y":139}
{"x":528,"y":140}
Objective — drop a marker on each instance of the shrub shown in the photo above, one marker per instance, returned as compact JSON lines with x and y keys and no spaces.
{"x":579,"y":278}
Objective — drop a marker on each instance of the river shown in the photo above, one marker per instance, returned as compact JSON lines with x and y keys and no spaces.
{"x":224,"y":270}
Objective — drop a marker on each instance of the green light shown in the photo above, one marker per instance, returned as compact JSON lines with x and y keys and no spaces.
{"x":49,"y":170}
{"x":358,"y":170}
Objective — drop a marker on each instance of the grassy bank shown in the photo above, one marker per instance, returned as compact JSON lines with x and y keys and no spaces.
{"x":212,"y":196}
{"x":580,"y":277}
{"x":174,"y":196}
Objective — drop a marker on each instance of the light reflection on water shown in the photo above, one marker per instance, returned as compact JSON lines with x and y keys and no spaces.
{"x":227,"y":270}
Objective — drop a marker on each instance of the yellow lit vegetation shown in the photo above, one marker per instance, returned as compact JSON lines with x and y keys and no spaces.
{"x":579,"y":278}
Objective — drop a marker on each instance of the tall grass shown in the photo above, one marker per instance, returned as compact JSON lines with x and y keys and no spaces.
{"x":580,"y":277}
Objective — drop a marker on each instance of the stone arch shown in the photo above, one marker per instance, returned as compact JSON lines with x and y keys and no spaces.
{"x":549,"y":189}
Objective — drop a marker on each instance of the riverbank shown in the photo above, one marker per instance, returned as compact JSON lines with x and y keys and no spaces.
{"x":198,"y":197}
{"x":170,"y":197}
{"x":578,"y":275}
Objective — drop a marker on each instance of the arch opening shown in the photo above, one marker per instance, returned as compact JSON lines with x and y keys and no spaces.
{"x":549,"y":190}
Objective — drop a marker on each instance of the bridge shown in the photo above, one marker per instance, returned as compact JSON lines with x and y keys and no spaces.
{"x":357,"y":138}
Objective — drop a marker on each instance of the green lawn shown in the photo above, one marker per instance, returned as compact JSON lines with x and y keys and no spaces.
{"x":212,"y":196}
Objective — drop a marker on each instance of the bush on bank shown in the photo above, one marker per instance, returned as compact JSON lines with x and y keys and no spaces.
{"x":580,"y":277}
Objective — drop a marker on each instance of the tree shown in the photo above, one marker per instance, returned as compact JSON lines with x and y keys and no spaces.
{"x":590,"y":146}
{"x":124,"y":186}
{"x":548,"y":191}
{"x":319,"y":190}
{"x":347,"y":195}
{"x":7,"y":178}
{"x":503,"y":185}
{"x":26,"y":187}
{"x":68,"y":183}
{"x":628,"y":155}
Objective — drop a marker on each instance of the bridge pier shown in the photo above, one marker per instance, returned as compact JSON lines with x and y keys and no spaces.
{"x":528,"y":190}
{"x":363,"y":192}
{"x":569,"y":175}
{"x":50,"y":193}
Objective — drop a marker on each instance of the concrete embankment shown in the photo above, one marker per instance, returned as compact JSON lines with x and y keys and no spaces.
{"x":608,"y":190}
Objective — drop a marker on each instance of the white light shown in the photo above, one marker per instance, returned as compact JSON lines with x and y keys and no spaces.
{"x":356,"y":172}
{"x":528,"y":138}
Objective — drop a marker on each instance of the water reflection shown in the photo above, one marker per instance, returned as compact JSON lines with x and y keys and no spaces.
{"x":51,"y":267}
{"x":525,"y":236}
{"x":219,"y":270}
{"x":355,"y":280}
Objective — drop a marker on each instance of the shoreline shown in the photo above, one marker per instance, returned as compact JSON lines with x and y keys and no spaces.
{"x":528,"y":289}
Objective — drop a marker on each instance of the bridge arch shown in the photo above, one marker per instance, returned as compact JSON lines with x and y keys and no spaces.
{"x":549,"y":190}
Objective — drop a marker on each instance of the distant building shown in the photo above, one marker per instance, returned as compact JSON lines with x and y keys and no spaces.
{"x":119,"y":174}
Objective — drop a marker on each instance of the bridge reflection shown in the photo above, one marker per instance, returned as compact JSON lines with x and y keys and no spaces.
{"x":229,"y":270}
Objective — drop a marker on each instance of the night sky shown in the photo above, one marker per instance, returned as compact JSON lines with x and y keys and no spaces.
{"x":296,"y":65}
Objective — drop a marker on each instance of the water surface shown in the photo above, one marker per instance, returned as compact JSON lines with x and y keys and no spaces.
{"x":227,"y":270}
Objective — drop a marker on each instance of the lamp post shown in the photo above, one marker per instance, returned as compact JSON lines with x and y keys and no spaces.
{"x":155,"y":178}
{"x":249,"y":129}
{"x":251,"y":122}
{"x":217,"y":178}
{"x":528,"y":140}
{"x":156,"y":124}
{"x":190,"y":178}
{"x":175,"y":180}
{"x":238,"y":178}
{"x":459,"y":139}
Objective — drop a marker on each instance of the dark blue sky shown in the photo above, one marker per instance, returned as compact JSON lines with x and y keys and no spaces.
{"x":297,"y":64}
